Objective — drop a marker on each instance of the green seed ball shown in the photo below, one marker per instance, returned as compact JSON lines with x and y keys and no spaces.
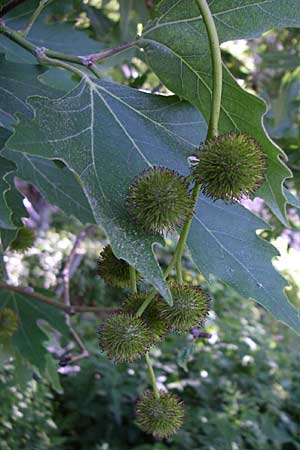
{"x":230,"y":167}
{"x":159,"y":200}
{"x":24,"y":240}
{"x":190,"y":307}
{"x":162,"y":416}
{"x":8,"y":323}
{"x":114,"y":271}
{"x":151,"y":315}
{"x":125,"y":338}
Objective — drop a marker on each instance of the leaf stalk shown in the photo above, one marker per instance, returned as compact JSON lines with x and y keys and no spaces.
{"x":152,"y":376}
{"x":217,"y":68}
{"x":34,"y":17}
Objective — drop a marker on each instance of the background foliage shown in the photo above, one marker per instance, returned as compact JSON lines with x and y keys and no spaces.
{"x":241,"y":387}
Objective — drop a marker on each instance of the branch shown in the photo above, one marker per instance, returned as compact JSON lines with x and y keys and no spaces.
{"x":9,"y":6}
{"x":54,"y":58}
{"x":42,"y":298}
{"x":67,"y":271}
{"x":96,"y":57}
{"x":67,"y":274}
{"x":34,"y":17}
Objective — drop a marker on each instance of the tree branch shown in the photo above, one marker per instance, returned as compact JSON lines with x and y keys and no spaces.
{"x":54,"y":58}
{"x":43,"y":298}
{"x":67,"y":271}
{"x":96,"y":57}
{"x":67,"y":274}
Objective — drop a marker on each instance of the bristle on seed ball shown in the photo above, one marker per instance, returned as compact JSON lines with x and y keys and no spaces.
{"x":113,"y":270}
{"x":152,"y":314}
{"x":159,"y":200}
{"x":190,"y":307}
{"x":124,"y":337}
{"x":162,"y":416}
{"x":230,"y":167}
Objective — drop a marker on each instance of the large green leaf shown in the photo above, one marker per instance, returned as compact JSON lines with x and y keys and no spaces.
{"x":108,"y":134}
{"x":177,"y":49}
{"x":29,"y":338}
{"x":223,"y":243}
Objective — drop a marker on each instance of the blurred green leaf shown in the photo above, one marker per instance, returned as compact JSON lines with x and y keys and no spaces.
{"x":29,"y":338}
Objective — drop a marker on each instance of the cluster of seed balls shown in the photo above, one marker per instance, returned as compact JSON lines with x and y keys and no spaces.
{"x":159,"y":200}
{"x":125,"y":337}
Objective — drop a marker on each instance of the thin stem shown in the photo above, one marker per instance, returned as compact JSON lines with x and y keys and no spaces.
{"x":34,"y":16}
{"x":133,"y":280}
{"x":145,"y":303}
{"x":176,"y":258}
{"x":56,"y":304}
{"x":152,"y":293}
{"x":184,"y":235}
{"x":96,"y":57}
{"x":152,"y":376}
{"x":216,"y":60}
{"x":67,"y":274}
{"x":214,"y":115}
{"x":40,"y":54}
{"x":17,"y":37}
{"x":95,"y":71}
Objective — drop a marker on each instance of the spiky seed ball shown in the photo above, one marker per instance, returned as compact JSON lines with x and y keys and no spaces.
{"x":152,"y":315}
{"x":24,"y":240}
{"x":159,"y":200}
{"x":162,"y":416}
{"x":114,"y":271}
{"x":124,"y":337}
{"x":230,"y":167}
{"x":190,"y":307}
{"x":8,"y":323}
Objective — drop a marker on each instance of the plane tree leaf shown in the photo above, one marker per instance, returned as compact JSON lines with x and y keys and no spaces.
{"x":108,"y":134}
